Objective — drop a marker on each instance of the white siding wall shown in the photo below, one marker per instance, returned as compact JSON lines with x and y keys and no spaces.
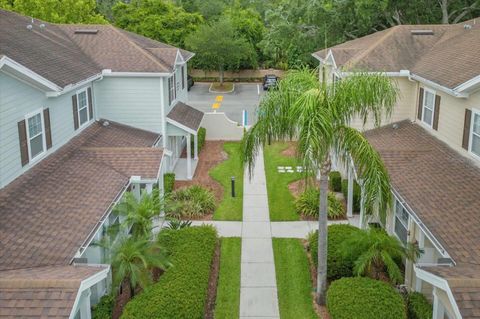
{"x":131,"y":101}
{"x":16,"y":100}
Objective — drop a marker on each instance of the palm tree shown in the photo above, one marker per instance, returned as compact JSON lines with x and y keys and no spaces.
{"x":133,"y":259}
{"x":139,"y":213}
{"x":378,"y":252}
{"x":317,"y":116}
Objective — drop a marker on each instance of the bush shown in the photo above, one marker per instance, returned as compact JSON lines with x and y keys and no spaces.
{"x":181,"y":292}
{"x":202,"y":133}
{"x":168,"y":182}
{"x":191,"y":202}
{"x":307,"y":204}
{"x":335,"y":181}
{"x":357,"y":194}
{"x":103,"y":309}
{"x":364,"y":298}
{"x":418,"y":306}
{"x":338,"y":265}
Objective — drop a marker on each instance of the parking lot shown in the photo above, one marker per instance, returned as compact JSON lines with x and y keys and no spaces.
{"x":246,"y":96}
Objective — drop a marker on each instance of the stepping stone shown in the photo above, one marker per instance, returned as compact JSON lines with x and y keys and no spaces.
{"x":281,"y":171}
{"x":281,"y":167}
{"x":288,"y":167}
{"x":290,"y":171}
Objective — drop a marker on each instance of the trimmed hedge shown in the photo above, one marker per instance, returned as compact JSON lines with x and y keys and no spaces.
{"x":307,"y":204}
{"x":202,"y":133}
{"x":104,"y":308}
{"x":181,"y":292}
{"x":335,"y":181}
{"x":338,"y":265}
{"x":364,"y":298}
{"x":168,"y":182}
{"x":418,"y":306}
{"x":357,"y":194}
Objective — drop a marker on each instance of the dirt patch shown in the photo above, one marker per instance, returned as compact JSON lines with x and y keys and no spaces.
{"x":212,"y":284}
{"x":210,"y":156}
{"x":298,"y":187}
{"x":291,"y":150}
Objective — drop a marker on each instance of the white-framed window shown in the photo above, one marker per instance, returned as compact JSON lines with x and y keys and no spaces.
{"x":83,"y":107}
{"x":428,"y":106}
{"x":35,"y":134}
{"x":475,"y":133}
{"x":171,"y":89}
{"x":401,"y":222}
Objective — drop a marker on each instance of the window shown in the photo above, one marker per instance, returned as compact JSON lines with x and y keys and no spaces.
{"x":82,"y":101}
{"x":475,"y":137}
{"x":183,"y":77}
{"x":428,"y":107}
{"x":35,"y":134}
{"x":401,"y":222}
{"x":171,"y":90}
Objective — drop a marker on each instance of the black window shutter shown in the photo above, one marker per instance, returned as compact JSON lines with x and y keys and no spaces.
{"x":436,"y":112}
{"x":90,"y":103}
{"x":420,"y":104}
{"x":466,"y":128}
{"x":22,"y":136}
{"x":183,"y":77}
{"x":48,"y":132}
{"x":75,"y":111}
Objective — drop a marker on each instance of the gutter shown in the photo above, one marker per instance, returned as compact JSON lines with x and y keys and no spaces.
{"x":72,"y":87}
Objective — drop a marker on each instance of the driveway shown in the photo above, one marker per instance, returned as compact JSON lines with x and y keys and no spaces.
{"x":246,"y":96}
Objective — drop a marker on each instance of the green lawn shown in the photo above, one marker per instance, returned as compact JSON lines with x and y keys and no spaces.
{"x":230,"y":208}
{"x":293,"y":279}
{"x":228,"y":290}
{"x":280,"y":199}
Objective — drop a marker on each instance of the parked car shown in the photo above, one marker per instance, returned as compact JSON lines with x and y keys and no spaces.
{"x":269,"y":81}
{"x":190,"y":82}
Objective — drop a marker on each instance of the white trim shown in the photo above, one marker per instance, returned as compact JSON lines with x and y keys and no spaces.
{"x":109,"y":73}
{"x":44,"y":140}
{"x":73,"y":87}
{"x":470,"y":139}
{"x":6,"y":61}
{"x":162,"y":113}
{"x":468,"y":84}
{"x":180,"y":61}
{"x":80,"y":124}
{"x":434,"y":93}
{"x":181,"y":126}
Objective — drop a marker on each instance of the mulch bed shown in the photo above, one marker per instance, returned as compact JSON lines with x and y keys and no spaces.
{"x":291,"y":150}
{"x":212,"y":284}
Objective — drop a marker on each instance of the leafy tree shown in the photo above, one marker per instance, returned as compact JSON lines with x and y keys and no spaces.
{"x":377,"y":253}
{"x":219,"y":47}
{"x":159,"y":20}
{"x":57,"y":11}
{"x":316,"y":115}
{"x":132,"y":261}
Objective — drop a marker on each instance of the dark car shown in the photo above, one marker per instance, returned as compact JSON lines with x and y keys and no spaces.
{"x":269,"y":81}
{"x":189,"y":82}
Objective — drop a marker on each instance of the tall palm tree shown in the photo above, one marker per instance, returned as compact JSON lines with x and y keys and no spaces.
{"x":133,"y":259}
{"x":317,"y":115}
{"x":377,"y":253}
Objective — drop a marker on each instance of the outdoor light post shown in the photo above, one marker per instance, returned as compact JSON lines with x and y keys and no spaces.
{"x":233,"y":186}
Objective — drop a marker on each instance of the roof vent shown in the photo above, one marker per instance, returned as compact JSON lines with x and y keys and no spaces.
{"x":42,"y":26}
{"x":421,"y":32}
{"x":86,"y":31}
{"x":29,"y":27}
{"x":467,"y":26}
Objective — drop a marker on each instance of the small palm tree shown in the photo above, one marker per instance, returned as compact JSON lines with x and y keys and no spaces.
{"x":139,"y":213}
{"x":317,"y":115}
{"x":378,"y":253}
{"x":133,"y":259}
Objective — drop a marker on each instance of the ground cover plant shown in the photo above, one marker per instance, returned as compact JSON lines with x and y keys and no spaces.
{"x":418,"y":306}
{"x":307,"y":204}
{"x":190,"y":202}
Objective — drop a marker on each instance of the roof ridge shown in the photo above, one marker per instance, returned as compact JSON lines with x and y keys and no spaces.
{"x":143,"y":51}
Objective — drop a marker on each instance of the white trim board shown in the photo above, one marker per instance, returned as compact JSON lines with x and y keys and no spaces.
{"x":181,"y":126}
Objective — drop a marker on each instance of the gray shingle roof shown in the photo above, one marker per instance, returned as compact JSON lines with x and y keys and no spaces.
{"x":186,"y":116}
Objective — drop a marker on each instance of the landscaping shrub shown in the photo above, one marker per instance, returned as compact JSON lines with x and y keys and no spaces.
{"x":418,"y":306}
{"x":103,"y":309}
{"x":181,"y":292}
{"x":168,"y":182}
{"x":191,"y":202}
{"x":364,"y":298}
{"x":335,"y":181}
{"x":338,"y":265}
{"x":357,"y":194}
{"x":202,"y":133}
{"x":307,"y":204}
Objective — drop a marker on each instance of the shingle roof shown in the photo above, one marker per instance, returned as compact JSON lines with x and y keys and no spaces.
{"x":442,"y":188}
{"x":449,"y":57}
{"x":186,"y":116}
{"x":48,"y":212}
{"x":64,"y":57}
{"x":44,"y":292}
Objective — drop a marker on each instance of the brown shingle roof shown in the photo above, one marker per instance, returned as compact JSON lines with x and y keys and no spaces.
{"x":48,"y":212}
{"x":186,"y":115}
{"x":442,"y":188}
{"x":64,"y":57}
{"x":44,"y":292}
{"x":449,"y":57}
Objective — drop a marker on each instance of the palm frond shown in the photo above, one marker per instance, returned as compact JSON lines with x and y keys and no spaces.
{"x":392,"y":268}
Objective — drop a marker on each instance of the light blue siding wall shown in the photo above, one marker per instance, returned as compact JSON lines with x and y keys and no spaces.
{"x":131,"y":101}
{"x":182,"y":94}
{"x":16,"y":100}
